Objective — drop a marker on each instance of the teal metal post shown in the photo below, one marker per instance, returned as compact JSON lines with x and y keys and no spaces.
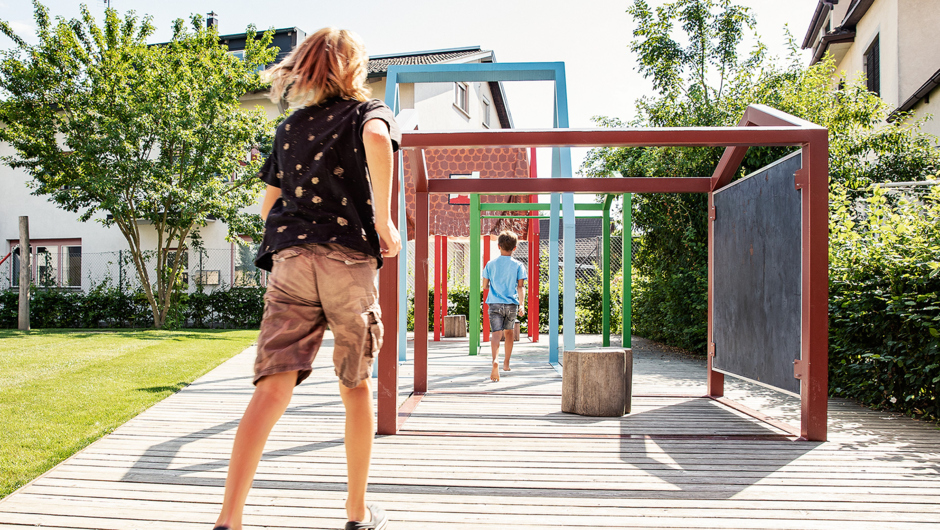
{"x":571,"y":270}
{"x":553,"y":280}
{"x":605,"y":259}
{"x":474,"y":273}
{"x":627,"y":268}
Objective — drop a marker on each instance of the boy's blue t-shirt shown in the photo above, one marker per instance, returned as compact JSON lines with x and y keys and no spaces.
{"x":504,"y":274}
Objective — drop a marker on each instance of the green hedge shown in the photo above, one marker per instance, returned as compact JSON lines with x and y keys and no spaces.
{"x":232,"y":308}
{"x":884,"y":301}
{"x":588,"y":306}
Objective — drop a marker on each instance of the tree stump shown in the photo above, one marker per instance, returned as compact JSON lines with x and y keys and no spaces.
{"x":597,"y":381}
{"x":455,"y":326}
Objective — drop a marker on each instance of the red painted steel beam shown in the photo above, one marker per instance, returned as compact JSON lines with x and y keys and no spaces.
{"x":814,"y":342}
{"x":673,"y":136}
{"x":388,"y":354}
{"x":729,"y":164}
{"x":520,"y":186}
{"x":715,"y":381}
{"x":764,"y":116}
{"x":444,"y":261}
{"x":486,"y":292}
{"x":422,"y":235}
{"x":437,"y":289}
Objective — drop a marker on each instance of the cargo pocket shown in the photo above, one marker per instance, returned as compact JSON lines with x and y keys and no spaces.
{"x":285,"y":253}
{"x":376,"y":332}
{"x":349,"y":257}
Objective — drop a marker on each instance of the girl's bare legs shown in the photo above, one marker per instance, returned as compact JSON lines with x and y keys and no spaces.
{"x":268,"y":403}
{"x":359,"y":434}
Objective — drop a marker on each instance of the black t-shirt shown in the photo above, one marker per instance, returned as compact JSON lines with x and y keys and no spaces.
{"x":319,"y":162}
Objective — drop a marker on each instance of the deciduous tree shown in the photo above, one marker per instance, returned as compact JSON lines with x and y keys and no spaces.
{"x":148,"y":138}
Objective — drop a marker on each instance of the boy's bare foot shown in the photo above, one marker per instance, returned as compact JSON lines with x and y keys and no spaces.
{"x":494,"y":375}
{"x":506,"y":368}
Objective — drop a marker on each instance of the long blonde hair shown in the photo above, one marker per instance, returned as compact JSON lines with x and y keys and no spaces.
{"x":330,"y":63}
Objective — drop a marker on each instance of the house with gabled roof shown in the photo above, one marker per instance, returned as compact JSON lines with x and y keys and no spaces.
{"x":74,"y":255}
{"x":891,"y":42}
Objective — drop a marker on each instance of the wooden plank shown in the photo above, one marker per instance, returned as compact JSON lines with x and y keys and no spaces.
{"x":520,"y":462}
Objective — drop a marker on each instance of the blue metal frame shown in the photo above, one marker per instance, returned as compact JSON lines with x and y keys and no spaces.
{"x":561,"y":167}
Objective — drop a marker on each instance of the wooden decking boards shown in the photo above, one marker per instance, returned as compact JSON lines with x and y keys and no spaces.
{"x":479,"y":455}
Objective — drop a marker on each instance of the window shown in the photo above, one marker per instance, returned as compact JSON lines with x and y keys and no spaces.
{"x":55,"y":263}
{"x":873,"y":67}
{"x":486,"y":113}
{"x":244,"y":272}
{"x":462,"y":98}
{"x":171,"y":255}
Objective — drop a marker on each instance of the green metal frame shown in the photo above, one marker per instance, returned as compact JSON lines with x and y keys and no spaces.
{"x":476,"y":210}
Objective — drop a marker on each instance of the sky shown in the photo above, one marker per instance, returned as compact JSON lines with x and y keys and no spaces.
{"x":591,"y":37}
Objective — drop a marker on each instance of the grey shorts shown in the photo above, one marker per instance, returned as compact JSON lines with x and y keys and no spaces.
{"x":503,"y":316}
{"x":310,"y":287}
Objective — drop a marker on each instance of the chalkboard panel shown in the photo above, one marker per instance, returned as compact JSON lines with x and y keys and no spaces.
{"x":757,"y":271}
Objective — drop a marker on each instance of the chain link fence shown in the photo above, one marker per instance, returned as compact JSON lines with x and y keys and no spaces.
{"x":589,"y":258}
{"x":71,"y":269}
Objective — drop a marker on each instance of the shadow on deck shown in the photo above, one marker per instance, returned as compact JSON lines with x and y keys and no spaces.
{"x":475,"y":454}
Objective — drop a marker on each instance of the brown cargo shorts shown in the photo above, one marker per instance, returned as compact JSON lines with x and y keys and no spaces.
{"x":310,"y":287}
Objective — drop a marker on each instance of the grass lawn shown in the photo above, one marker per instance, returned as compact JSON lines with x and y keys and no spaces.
{"x":62,"y":390}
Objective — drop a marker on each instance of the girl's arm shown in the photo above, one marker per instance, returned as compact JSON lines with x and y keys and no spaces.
{"x":378,"y":146}
{"x":271,"y":195}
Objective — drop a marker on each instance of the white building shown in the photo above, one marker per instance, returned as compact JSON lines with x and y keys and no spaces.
{"x":891,"y":42}
{"x":70,"y":254}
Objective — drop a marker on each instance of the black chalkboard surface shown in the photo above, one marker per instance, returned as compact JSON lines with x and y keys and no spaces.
{"x":757,"y":276}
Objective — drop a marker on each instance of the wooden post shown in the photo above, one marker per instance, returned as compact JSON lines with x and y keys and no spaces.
{"x":25,"y":268}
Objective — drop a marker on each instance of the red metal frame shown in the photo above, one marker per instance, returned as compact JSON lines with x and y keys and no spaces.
{"x":487,"y":243}
{"x":760,"y":126}
{"x":444,"y":262}
{"x":534,"y":260}
{"x":438,"y":317}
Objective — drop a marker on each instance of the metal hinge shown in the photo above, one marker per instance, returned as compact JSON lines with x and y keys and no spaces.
{"x":799,"y":368}
{"x":711,"y":213}
{"x":800,"y":178}
{"x":711,"y":349}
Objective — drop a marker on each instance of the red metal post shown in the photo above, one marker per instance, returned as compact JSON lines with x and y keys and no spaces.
{"x":486,"y":308}
{"x":444,"y":262}
{"x":422,"y":235}
{"x":388,"y":354}
{"x":534,"y":257}
{"x":814,"y":343}
{"x":438,"y":324}
{"x":715,"y":380}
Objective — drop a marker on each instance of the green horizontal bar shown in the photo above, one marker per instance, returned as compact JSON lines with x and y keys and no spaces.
{"x":536,"y":216}
{"x":532,"y":206}
{"x":502,"y":206}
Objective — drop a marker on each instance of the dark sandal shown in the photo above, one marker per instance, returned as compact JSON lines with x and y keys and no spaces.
{"x":379,"y":520}
{"x":221,"y":528}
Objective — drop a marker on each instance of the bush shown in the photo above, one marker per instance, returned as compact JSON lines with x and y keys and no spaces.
{"x":884,"y":301}
{"x":588,"y":307}
{"x":110,"y":307}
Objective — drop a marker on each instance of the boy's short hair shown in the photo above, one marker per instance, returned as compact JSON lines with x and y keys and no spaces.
{"x":507,"y":240}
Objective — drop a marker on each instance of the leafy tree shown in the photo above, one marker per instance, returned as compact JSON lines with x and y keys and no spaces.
{"x":691,"y":51}
{"x":150,"y":139}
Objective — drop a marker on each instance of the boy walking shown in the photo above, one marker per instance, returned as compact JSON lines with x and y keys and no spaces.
{"x":326,"y":208}
{"x":505,"y":278}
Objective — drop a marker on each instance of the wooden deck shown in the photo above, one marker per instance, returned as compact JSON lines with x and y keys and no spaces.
{"x":498,"y":455}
